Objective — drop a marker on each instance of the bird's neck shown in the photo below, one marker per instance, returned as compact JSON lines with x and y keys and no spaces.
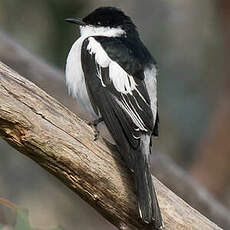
{"x":88,"y":31}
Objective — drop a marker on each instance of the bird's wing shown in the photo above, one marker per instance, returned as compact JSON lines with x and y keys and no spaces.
{"x":116,"y":87}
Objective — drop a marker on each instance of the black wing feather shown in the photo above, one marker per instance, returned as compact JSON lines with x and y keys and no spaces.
{"x":106,"y":100}
{"x":125,"y":51}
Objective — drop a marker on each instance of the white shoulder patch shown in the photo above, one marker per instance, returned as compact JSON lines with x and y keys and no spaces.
{"x":101,"y":56}
{"x":122,"y":81}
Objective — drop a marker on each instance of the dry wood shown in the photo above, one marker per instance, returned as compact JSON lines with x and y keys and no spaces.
{"x":33,"y":68}
{"x":44,"y":130}
{"x":188,"y":188}
{"x":52,"y":81}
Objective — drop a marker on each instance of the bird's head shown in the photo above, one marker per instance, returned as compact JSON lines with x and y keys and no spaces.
{"x":110,"y":20}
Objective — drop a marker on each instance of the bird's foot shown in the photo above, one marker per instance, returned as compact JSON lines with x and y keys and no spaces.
{"x":94,"y":124}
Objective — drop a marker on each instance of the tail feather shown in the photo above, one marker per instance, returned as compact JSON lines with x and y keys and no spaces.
{"x":147,"y":200}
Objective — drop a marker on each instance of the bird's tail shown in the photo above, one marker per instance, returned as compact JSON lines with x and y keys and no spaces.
{"x":147,"y":201}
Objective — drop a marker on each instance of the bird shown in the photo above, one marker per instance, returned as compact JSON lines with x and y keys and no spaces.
{"x":113,"y":78}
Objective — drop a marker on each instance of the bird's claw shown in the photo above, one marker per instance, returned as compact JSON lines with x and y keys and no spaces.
{"x":96,"y":134}
{"x":94,"y":124}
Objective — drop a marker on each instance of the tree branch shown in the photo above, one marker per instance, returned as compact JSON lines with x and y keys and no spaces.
{"x":43,"y":129}
{"x":187,"y":187}
{"x":34,"y":69}
{"x":52,"y":81}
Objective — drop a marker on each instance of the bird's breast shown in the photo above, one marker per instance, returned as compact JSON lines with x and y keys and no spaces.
{"x":76,"y":83}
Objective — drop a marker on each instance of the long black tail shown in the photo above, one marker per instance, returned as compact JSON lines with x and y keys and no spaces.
{"x":146,"y":195}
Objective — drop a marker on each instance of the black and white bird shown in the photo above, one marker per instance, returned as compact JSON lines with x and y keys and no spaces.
{"x":113,"y":78}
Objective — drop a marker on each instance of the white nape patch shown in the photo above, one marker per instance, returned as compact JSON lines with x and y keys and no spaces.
{"x":122,"y":81}
{"x":88,"y":31}
{"x":151,"y":85}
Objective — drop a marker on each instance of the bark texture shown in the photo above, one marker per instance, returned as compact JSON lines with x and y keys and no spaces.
{"x":44,"y":130}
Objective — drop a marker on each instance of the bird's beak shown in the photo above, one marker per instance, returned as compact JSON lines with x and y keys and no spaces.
{"x":77,"y":21}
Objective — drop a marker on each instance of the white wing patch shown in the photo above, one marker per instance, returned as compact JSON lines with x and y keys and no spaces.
{"x":133,"y":114}
{"x":131,"y":111}
{"x":101,"y":56}
{"x":74,"y":73}
{"x":122,"y":81}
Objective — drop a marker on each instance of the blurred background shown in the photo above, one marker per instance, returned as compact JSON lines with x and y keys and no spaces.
{"x":189,"y":40}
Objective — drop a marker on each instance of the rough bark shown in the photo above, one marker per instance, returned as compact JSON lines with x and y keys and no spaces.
{"x":188,"y":188}
{"x":52,"y":81}
{"x":44,"y":130}
{"x":47,"y":78}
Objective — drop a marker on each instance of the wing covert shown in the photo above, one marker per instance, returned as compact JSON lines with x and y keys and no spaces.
{"x":120,"y":98}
